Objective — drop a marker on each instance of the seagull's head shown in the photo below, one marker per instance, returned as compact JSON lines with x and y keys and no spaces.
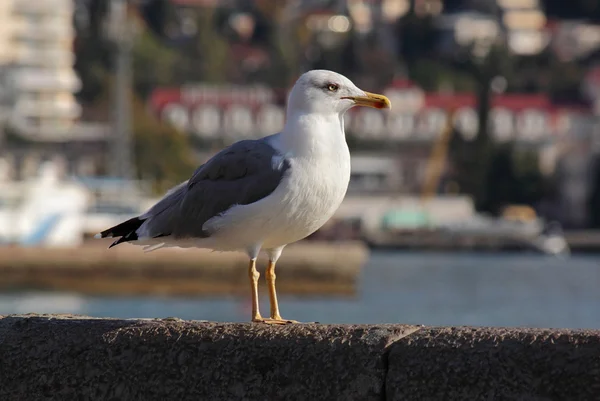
{"x":322,"y":91}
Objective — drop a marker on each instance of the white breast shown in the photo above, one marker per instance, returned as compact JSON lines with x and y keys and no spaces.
{"x":309,"y":194}
{"x":308,"y":197}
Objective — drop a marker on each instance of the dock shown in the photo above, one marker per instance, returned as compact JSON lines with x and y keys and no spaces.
{"x":308,"y":267}
{"x":577,"y":241}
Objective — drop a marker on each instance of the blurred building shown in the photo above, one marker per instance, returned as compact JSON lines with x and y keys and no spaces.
{"x":36,"y":53}
{"x":38,"y":84}
{"x":397,"y":144}
{"x":525,"y":22}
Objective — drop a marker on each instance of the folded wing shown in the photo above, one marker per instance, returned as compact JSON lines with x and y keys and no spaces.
{"x":241,"y":174}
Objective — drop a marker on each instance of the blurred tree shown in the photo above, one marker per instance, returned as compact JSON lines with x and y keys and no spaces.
{"x":418,"y":37}
{"x":92,"y":51}
{"x":270,"y":39}
{"x":154,"y":64}
{"x":158,"y":58}
{"x":529,"y":74}
{"x":513,"y":178}
{"x":433,"y":75}
{"x":472,"y":158}
{"x":574,"y":9}
{"x":564,"y":84}
{"x":286,"y":65}
{"x":162,"y":154}
{"x":546,"y":73}
{"x":500,"y":180}
{"x":155,"y":13}
{"x":530,"y":184}
{"x":206,"y":57}
{"x":594,"y":199}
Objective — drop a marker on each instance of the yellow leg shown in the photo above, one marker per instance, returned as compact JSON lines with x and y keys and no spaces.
{"x":254,"y":275}
{"x":273,"y":294}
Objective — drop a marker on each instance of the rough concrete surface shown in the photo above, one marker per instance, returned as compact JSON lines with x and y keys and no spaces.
{"x":495,"y":364}
{"x":78,"y":358}
{"x":65,"y":357}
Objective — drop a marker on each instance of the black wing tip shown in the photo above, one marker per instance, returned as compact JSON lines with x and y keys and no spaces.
{"x":126,"y":230}
{"x":127,"y":238}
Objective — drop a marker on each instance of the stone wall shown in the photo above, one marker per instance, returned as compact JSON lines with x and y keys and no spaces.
{"x":68,"y":357}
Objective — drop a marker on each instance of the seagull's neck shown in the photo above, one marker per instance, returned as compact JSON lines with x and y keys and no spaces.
{"x":312,"y":135}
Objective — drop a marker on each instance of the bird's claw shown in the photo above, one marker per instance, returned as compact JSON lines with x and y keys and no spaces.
{"x":273,"y":321}
{"x":286,"y":321}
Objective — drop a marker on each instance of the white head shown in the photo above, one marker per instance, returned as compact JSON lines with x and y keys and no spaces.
{"x":323,"y":91}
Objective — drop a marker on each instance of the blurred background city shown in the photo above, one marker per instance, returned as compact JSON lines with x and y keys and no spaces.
{"x":475,"y":200}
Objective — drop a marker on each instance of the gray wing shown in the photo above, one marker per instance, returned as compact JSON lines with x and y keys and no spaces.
{"x":238,"y":175}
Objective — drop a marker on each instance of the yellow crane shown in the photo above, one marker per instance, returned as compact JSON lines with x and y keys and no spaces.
{"x":437,"y":159}
{"x":435,"y":169}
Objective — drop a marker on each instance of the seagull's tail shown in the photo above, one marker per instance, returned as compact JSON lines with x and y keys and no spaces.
{"x":126,"y":230}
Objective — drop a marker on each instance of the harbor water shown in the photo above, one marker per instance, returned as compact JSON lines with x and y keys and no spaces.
{"x":479,"y":289}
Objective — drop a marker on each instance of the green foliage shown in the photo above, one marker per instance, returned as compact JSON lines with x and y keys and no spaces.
{"x":474,"y":160}
{"x":565,"y":80}
{"x":153,"y":64}
{"x":162,"y":154}
{"x":432,"y":75}
{"x":206,"y":57}
{"x":285,"y":62}
{"x":92,"y":54}
{"x":594,"y":198}
{"x":513,"y":178}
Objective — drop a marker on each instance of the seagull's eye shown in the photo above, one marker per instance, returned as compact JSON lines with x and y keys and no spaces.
{"x":332,"y":87}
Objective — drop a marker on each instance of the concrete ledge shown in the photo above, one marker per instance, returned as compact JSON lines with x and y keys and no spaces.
{"x":495,"y":364}
{"x":69,"y":357}
{"x":75,"y":358}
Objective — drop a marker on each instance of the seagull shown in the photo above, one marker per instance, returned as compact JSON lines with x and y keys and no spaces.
{"x":264,"y":193}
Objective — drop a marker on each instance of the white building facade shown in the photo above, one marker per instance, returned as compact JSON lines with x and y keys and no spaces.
{"x":36,"y":51}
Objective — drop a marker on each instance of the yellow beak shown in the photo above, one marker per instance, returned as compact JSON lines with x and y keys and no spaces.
{"x":371,"y":100}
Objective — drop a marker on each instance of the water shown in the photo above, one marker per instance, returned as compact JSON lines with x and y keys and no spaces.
{"x":396,"y":287}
